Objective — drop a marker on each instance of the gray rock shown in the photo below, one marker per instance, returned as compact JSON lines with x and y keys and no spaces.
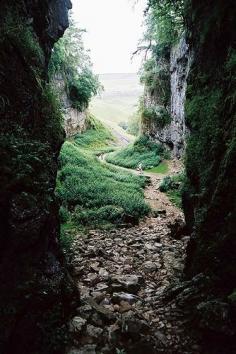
{"x":133,"y":325}
{"x":118,"y":297}
{"x":93,"y":331}
{"x":103,"y":273}
{"x":149,"y":266}
{"x":129,"y":283}
{"x":85,"y":311}
{"x":86,"y":349}
{"x":77,"y":324}
{"x":104,"y":312}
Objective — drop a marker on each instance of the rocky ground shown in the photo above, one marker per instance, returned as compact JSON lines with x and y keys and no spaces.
{"x":126,"y":277}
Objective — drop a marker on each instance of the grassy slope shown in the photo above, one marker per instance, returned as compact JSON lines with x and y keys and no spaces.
{"x":141,"y":151}
{"x":94,"y":194}
{"x":161,"y":168}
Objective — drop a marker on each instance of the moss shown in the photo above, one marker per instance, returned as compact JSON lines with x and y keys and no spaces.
{"x":29,"y":145}
{"x":210,"y":155}
{"x":51,"y":117}
{"x":16,"y":31}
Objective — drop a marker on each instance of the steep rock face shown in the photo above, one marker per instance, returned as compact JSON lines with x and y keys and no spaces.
{"x":179,"y":68}
{"x":74,"y":120}
{"x":210,"y":192}
{"x":174,"y":134}
{"x":34,"y":285}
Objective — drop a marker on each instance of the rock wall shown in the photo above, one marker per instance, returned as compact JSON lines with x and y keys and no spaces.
{"x":74,"y":120}
{"x":174,"y":134}
{"x":210,"y":189}
{"x":180,"y":62}
{"x":35,"y":287}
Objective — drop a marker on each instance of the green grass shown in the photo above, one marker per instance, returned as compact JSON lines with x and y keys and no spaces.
{"x":93,"y":194}
{"x":96,"y":137}
{"x":143,"y":151}
{"x":161,"y":168}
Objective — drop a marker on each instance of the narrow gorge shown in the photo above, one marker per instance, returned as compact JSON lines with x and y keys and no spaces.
{"x":111,"y":243}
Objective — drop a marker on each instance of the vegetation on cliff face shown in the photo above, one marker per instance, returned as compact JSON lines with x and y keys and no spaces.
{"x":210,"y":110}
{"x":164,"y":25}
{"x":71,"y":60}
{"x":209,"y":198}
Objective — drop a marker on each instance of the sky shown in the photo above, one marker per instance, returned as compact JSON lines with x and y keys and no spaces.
{"x":114,"y":28}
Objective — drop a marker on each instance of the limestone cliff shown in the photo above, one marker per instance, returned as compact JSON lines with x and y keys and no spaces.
{"x":173,"y":133}
{"x":34,"y":285}
{"x":74,"y":121}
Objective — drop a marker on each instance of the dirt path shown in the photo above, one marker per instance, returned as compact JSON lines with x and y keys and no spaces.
{"x":123,"y":276}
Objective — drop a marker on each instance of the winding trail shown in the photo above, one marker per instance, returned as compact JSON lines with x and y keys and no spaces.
{"x":123,"y":276}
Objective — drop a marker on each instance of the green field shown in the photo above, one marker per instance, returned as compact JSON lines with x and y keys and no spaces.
{"x":119,"y":99}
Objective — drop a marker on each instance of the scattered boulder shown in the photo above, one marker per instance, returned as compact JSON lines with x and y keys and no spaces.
{"x":118,"y":297}
{"x":93,"y":331}
{"x":149,"y":266}
{"x":77,"y":324}
{"x":129,"y":283}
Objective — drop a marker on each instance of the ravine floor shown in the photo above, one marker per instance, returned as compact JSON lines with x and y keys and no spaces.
{"x":123,"y":276}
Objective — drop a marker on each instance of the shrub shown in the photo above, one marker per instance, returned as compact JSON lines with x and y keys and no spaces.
{"x":156,"y":114}
{"x":166,"y":184}
{"x":173,"y":186}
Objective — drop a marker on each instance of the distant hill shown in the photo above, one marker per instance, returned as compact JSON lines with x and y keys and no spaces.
{"x":119,"y":100}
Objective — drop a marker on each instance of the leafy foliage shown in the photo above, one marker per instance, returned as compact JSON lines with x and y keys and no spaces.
{"x":71,"y":60}
{"x":164,"y":25}
{"x":164,"y":22}
{"x":157,"y":115}
{"x":143,"y":151}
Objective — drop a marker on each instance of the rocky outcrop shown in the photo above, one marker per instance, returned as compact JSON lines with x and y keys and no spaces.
{"x":180,"y":61}
{"x":174,"y":133}
{"x":74,"y":121}
{"x":35,"y":287}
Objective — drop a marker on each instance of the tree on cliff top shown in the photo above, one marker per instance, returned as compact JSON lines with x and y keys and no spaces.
{"x":71,"y":60}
